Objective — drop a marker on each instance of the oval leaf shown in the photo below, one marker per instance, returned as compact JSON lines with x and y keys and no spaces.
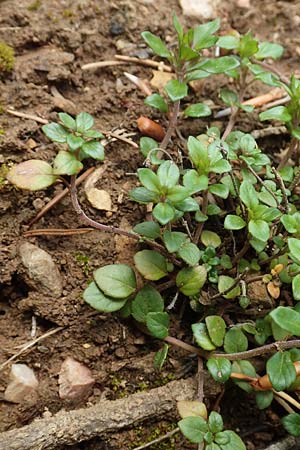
{"x":66,"y":164}
{"x":210,"y":238}
{"x":33,"y":175}
{"x":158,"y":324}
{"x":116,"y":280}
{"x":201,"y":336}
{"x":191,"y":279}
{"x":147,"y":300}
{"x":151,"y":264}
{"x":287,"y":318}
{"x":216,"y":329}
{"x":193,"y":428}
{"x":97,"y":300}
{"x":281,"y":371}
{"x":219,"y":368}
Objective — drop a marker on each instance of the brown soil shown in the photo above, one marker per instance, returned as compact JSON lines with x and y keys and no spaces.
{"x":117,"y":353}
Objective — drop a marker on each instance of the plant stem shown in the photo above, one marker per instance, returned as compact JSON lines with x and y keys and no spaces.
{"x":282,"y":188}
{"x":272,"y":69}
{"x":201,"y":224}
{"x":106,"y":228}
{"x":172,"y":125}
{"x":242,"y":252}
{"x":262,"y":183}
{"x":265,"y":349}
{"x":294,"y":146}
{"x":288,"y":398}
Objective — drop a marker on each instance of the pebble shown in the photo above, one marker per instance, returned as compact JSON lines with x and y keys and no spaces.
{"x":75,"y":380}
{"x":41,"y":270}
{"x":206,"y":9}
{"x":23,"y":385}
{"x":99,"y":199}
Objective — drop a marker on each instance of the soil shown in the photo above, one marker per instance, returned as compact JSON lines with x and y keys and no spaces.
{"x":52,"y":40}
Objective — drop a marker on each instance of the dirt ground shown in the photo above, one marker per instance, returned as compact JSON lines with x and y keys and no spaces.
{"x":52,"y":40}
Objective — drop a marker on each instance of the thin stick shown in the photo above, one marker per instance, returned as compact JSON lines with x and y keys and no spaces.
{"x":29,"y":345}
{"x":145,"y":62}
{"x":139,"y":83}
{"x":262,"y":183}
{"x":172,"y":125}
{"x":294,"y":146}
{"x":27,"y":116}
{"x":282,"y":188}
{"x":120,"y":138}
{"x":283,"y":403}
{"x":158,"y":440}
{"x":99,"y":64}
{"x":56,"y":231}
{"x":60,"y":196}
{"x":288,"y":398}
{"x":200,"y":225}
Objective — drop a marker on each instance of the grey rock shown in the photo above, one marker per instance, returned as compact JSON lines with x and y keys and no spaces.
{"x":75,"y":380}
{"x":23,"y":385}
{"x":41,"y":270}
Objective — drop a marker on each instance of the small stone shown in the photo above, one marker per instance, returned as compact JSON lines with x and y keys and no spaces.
{"x":120,"y":352}
{"x":75,"y":380}
{"x":243,"y":4}
{"x":206,"y":9}
{"x":38,"y":203}
{"x":86,"y":345}
{"x":23,"y":385}
{"x":41,"y":269}
{"x":99,"y":199}
{"x":160,"y":79}
{"x":31,"y":143}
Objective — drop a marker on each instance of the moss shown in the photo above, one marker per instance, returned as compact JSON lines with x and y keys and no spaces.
{"x":68,"y":13}
{"x":35,"y":5}
{"x":83,"y":261}
{"x":7,"y":57}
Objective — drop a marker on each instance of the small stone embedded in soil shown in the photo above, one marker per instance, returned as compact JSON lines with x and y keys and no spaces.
{"x":75,"y":380}
{"x":23,"y":385}
{"x":206,"y":9}
{"x":99,"y":199}
{"x":42,"y":271}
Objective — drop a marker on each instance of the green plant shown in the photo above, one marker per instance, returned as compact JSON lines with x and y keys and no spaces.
{"x":224,"y":219}
{"x":7,"y":57}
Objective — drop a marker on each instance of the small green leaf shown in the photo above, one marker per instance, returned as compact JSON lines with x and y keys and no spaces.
{"x":277,"y":113}
{"x":146,"y":145}
{"x":248,"y":46}
{"x":32,"y":174}
{"x":259,"y":229}
{"x":269,"y":50}
{"x":191,"y":279}
{"x":248,"y":195}
{"x":215,"y":422}
{"x":173,"y":240}
{"x":202,"y":36}
{"x":294,"y":248}
{"x":246,"y":368}
{"x":84,"y":121}
{"x":157,"y":101}
{"x":296,"y":287}
{"x":163,"y":213}
{"x":67,"y":120}
{"x":216,"y":329}
{"x":143,"y":195}
{"x":224,"y":283}
{"x":194,"y":182}
{"x":193,"y":428}
{"x":168,"y":174}
{"x":228,"y":42}
{"x":93,"y":134}
{"x":191,"y":408}
{"x":221,"y":190}
{"x":176,"y":90}
{"x":233,"y":222}
{"x":291,"y":423}
{"x":147,"y":300}
{"x":149,"y":229}
{"x":264,"y":399}
{"x":190,"y":253}
{"x":201,"y":336}
{"x":74,"y":142}
{"x":219,"y":368}
{"x":287,"y":318}
{"x":220,"y":65}
{"x":210,"y":239}
{"x":235,"y":341}
{"x":149,"y":179}
{"x":151,"y":264}
{"x":160,"y":357}
{"x":197,"y":110}
{"x":229,"y":97}
{"x":281,"y":370}
{"x":66,"y":163}
{"x":234,"y":442}
{"x":158,"y":324}
{"x":93,"y":149}
{"x":55,"y":132}
{"x":116,"y":280}
{"x":156,"y":44}
{"x":97,"y":300}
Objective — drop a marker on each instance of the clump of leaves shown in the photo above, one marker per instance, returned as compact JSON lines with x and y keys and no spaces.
{"x":224,"y":218}
{"x":7,"y":57}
